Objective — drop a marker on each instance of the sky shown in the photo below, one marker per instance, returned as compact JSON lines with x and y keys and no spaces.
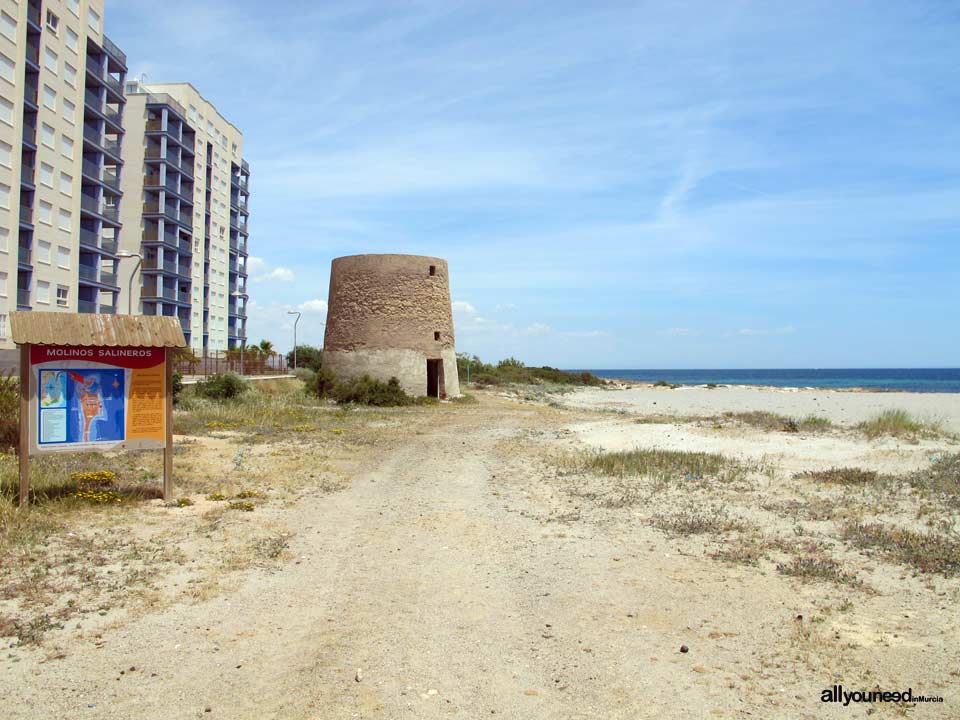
{"x":614,"y":184}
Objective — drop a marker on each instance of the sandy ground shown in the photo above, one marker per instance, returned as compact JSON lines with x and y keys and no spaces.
{"x":838,"y":406}
{"x":459,"y":574}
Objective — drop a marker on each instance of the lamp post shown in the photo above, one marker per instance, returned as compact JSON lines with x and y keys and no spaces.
{"x":133,"y":274}
{"x":243,"y":338}
{"x":294,"y":312}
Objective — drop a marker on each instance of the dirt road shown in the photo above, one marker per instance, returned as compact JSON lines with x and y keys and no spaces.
{"x":448,"y":581}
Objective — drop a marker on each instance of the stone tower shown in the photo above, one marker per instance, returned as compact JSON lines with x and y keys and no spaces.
{"x":390,"y":316}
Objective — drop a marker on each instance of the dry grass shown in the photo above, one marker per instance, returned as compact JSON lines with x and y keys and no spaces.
{"x":900,"y":423}
{"x":841,"y":476}
{"x":709,"y":520}
{"x":664,"y":466}
{"x":817,"y":567}
{"x":926,"y":552}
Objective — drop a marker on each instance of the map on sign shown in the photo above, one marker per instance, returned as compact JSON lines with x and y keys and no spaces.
{"x":81,"y":405}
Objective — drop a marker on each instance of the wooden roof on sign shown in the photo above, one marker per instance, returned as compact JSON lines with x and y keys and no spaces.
{"x":61,"y":328}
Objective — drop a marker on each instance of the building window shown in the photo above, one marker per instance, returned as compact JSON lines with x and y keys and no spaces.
{"x":74,"y":6}
{"x":66,"y":146}
{"x":3,"y":326}
{"x":49,"y":97}
{"x":43,"y":292}
{"x":6,"y":154}
{"x":65,"y":220}
{"x":7,"y":68}
{"x":63,"y":257}
{"x":46,"y":174}
{"x":93,"y":20}
{"x":436,"y":335}
{"x":4,"y":196}
{"x":4,"y":239}
{"x":433,"y":270}
{"x":8,"y":26}
{"x":70,"y":74}
{"x":43,"y":252}
{"x":47,"y":136}
{"x":62,"y":294}
{"x":3,"y":284}
{"x":66,"y":184}
{"x":72,"y":39}
{"x":53,"y":22}
{"x":50,"y":60}
{"x":45,"y":212}
{"x":6,"y":111}
{"x":69,"y":111}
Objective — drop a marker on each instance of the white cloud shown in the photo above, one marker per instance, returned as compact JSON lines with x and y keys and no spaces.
{"x":537,"y":329}
{"x":313,"y":307}
{"x":505,"y":307}
{"x":462,"y":306}
{"x":279,"y":274}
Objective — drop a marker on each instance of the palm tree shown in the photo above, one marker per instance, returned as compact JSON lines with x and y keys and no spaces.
{"x":266,"y":347}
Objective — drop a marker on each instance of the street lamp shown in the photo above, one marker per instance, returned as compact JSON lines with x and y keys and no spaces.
{"x":294,"y":312}
{"x":133,"y":274}
{"x":243,"y":338}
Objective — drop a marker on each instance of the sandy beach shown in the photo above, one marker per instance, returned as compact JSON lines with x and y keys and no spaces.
{"x":840,"y":406}
{"x":488,"y":559}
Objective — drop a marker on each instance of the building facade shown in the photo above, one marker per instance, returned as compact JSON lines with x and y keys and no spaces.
{"x":61,"y":134}
{"x":185,"y":163}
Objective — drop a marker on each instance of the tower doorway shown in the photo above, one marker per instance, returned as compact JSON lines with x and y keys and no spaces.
{"x":435,"y":378}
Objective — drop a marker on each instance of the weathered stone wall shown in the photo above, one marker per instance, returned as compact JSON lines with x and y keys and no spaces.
{"x":386,"y":316}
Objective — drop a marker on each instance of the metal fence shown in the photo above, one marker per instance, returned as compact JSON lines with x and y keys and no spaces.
{"x":246,"y":363}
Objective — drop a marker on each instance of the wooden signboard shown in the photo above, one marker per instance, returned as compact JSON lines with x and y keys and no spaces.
{"x":95,"y":397}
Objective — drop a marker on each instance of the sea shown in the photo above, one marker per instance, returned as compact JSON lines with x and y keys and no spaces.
{"x":944,"y":380}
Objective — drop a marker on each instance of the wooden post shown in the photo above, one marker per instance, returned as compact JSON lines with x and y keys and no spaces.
{"x":24,"y":460}
{"x":168,"y":422}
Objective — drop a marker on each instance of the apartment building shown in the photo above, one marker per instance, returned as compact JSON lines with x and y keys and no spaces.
{"x":185,"y":168}
{"x":61,"y":132}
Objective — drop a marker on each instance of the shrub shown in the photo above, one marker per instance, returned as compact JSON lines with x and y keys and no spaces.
{"x":323,"y":383}
{"x":177,"y":386}
{"x":9,"y":411}
{"x":308,"y":356}
{"x":221,"y":386}
{"x":365,"y":390}
{"x":305,"y":375}
{"x":899,"y":423}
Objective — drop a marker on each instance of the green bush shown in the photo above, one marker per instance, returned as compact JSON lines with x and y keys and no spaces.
{"x":308,"y":356}
{"x":512,"y":370}
{"x":305,"y":375}
{"x":221,"y":386}
{"x":364,"y":390}
{"x":9,"y":411}
{"x":322,"y":384}
{"x":177,"y":386}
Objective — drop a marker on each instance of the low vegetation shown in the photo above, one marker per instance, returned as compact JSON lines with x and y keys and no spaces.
{"x":222,"y":386}
{"x":772,"y":421}
{"x":817,"y":567}
{"x":926,"y":552}
{"x":660,"y":465}
{"x":841,"y":476}
{"x":513,"y":372}
{"x":901,"y":424}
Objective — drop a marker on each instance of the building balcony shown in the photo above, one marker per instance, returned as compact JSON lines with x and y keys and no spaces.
{"x":92,"y":101}
{"x":23,"y":299}
{"x":113,"y":51}
{"x":30,"y":136}
{"x":26,"y":216}
{"x":33,"y":57}
{"x":90,"y":274}
{"x":183,"y":218}
{"x":26,"y":176}
{"x":92,"y":206}
{"x":24,"y":257}
{"x":102,"y":175}
{"x":31,"y":94}
{"x":33,"y":17}
{"x":98,"y":141}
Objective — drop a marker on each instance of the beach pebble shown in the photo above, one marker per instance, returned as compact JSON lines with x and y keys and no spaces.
{"x":684,"y":649}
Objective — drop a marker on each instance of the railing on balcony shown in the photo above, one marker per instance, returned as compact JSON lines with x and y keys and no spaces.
{"x":24,"y":255}
{"x":152,"y":180}
{"x":109,"y":245}
{"x":169,"y":293}
{"x":113,"y":50}
{"x":93,"y":205}
{"x":86,"y":306}
{"x":184,"y":247}
{"x":108,"y":309}
{"x":29,"y":134}
{"x":93,"y":100}
{"x":112,"y":83}
{"x":33,"y":14}
{"x":31,"y":94}
{"x":89,"y":272}
{"x":33,"y":54}
{"x":26,"y":214}
{"x":23,"y":298}
{"x":108,"y":278}
{"x":26,"y":174}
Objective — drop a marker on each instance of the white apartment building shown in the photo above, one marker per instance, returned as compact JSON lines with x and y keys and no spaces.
{"x":186,"y":213}
{"x":61,"y":112}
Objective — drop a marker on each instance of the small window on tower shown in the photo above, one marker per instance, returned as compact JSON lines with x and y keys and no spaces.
{"x":433,"y":270}
{"x":436,"y":335}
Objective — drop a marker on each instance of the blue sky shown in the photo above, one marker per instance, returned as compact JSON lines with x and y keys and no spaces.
{"x":645,"y":184}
